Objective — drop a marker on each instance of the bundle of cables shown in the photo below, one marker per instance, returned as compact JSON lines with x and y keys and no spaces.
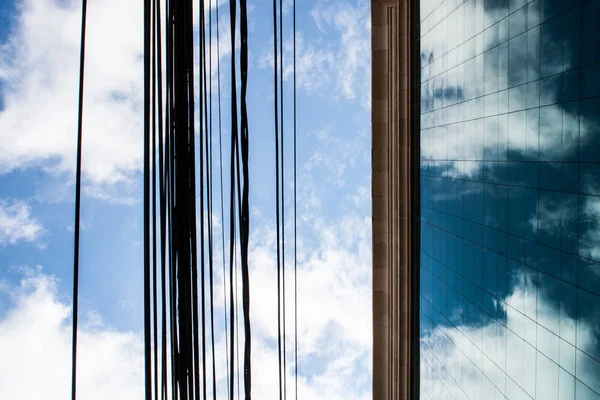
{"x":183,"y":266}
{"x":179,"y":320}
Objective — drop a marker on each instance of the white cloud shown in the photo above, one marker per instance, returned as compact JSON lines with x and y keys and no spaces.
{"x":589,"y":239}
{"x":40,"y":65}
{"x":333,"y":281}
{"x":494,"y":360}
{"x":340,"y":67}
{"x":334,"y":310}
{"x":334,"y":328}
{"x":35,"y":341}
{"x":16,"y":223}
{"x":354,"y":25}
{"x":512,"y":120}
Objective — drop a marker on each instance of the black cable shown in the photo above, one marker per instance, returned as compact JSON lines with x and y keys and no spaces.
{"x":210,"y":198}
{"x":245,"y":218}
{"x":237,"y":327}
{"x":209,"y":152}
{"x":153,"y":183}
{"x":234,"y":128}
{"x":190,"y":190}
{"x":276,"y":83}
{"x":78,"y":204}
{"x":203,"y":127}
{"x":147,"y":317}
{"x":281,"y":98}
{"x":222,"y":206}
{"x":162,"y":205}
{"x":295,"y":222}
{"x":170,"y":197}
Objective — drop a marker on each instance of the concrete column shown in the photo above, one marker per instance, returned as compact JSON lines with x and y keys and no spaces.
{"x":391,"y":198}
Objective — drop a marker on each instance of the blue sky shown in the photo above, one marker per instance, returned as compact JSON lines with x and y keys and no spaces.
{"x":38,"y":93}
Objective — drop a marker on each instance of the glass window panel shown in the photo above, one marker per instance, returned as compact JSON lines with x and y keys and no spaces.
{"x":548,"y":229}
{"x":588,"y":370}
{"x":551,"y":133}
{"x":529,"y":374}
{"x":590,"y":132}
{"x":566,"y":385}
{"x":531,"y":253}
{"x":568,"y":311}
{"x":503,"y":66}
{"x":532,"y":140}
{"x":568,"y":267}
{"x":547,"y":378}
{"x":531,"y":297}
{"x":590,"y":32}
{"x":571,"y":32}
{"x":517,"y":139}
{"x":551,"y":48}
{"x":491,"y":65}
{"x":517,"y":98}
{"x":549,"y":257}
{"x":549,"y":171}
{"x":514,"y":363}
{"x":569,"y":177}
{"x":533,"y":54}
{"x":589,"y":178}
{"x":548,"y":312}
{"x":523,"y":217}
{"x":517,"y":60}
{"x":490,"y":140}
{"x":571,"y":131}
{"x":588,"y":310}
{"x":588,"y":273}
{"x":517,"y":22}
{"x":516,"y":4}
{"x":548,"y":344}
{"x":550,"y":8}
{"x":516,"y":248}
{"x":569,"y":217}
{"x":533,"y":14}
{"x":567,"y":356}
{"x":590,"y":84}
{"x":589,"y":217}
{"x":533,"y":94}
{"x":582,"y":392}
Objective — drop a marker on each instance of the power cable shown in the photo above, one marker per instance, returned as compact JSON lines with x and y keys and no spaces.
{"x":222,"y":207}
{"x":77,"y":222}
{"x":295,"y":219}
{"x":278,"y":245}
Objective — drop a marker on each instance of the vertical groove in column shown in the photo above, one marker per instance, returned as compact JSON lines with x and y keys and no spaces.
{"x":380,"y":118}
{"x":391,"y":195}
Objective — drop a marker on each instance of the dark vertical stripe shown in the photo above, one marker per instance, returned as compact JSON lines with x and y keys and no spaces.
{"x":415,"y":194}
{"x":78,"y":204}
{"x":147,"y":316}
{"x":245,"y":211}
{"x":234,"y":128}
{"x":295,"y":220}
{"x":276,"y":101}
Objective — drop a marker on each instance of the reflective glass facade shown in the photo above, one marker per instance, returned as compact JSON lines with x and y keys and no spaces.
{"x":510,"y":199}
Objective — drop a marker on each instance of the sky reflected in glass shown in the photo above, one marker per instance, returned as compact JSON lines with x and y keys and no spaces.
{"x":510,"y":199}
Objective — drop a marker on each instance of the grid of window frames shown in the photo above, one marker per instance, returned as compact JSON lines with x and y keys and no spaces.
{"x":510,"y":199}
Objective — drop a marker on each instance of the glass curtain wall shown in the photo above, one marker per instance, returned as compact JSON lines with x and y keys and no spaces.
{"x":510,"y":199}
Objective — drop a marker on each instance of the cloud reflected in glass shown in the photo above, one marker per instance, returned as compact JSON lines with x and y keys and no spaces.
{"x":510,"y":196}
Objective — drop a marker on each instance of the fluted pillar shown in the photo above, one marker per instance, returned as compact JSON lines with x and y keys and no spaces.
{"x":391,"y":198}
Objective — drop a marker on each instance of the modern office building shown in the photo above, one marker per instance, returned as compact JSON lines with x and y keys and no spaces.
{"x":486,"y":199}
